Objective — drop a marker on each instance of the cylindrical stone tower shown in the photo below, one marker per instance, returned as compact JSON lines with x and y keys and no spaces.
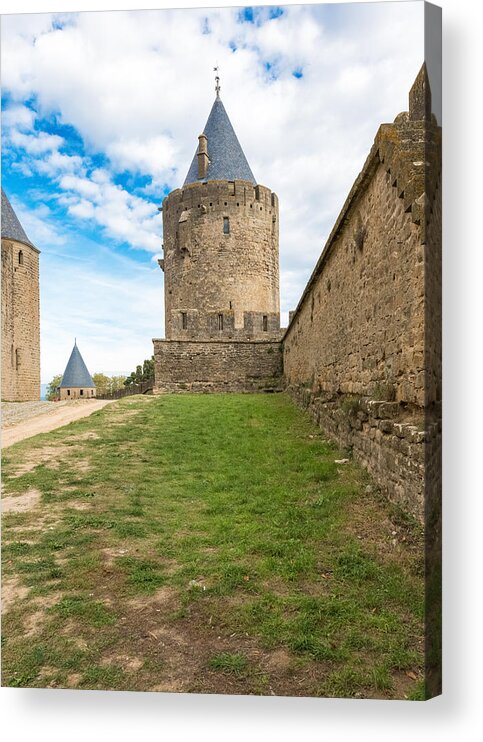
{"x":20,"y":311}
{"x":221,"y":264}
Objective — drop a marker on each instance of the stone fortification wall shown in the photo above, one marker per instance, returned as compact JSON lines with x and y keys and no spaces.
{"x":20,"y":322}
{"x":362,"y":329}
{"x":221,"y":261}
{"x":360,"y":324}
{"x":217,"y":366}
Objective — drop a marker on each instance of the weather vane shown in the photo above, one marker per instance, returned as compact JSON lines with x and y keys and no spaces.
{"x":217,"y":80}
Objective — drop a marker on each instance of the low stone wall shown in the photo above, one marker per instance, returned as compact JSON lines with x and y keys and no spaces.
{"x":217,"y":366}
{"x":389,"y":440}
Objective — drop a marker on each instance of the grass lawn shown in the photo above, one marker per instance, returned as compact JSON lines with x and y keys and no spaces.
{"x":206,"y":544}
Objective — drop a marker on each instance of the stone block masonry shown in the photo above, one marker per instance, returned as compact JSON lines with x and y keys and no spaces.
{"x":217,"y":366}
{"x":390,"y":441}
{"x":20,"y":322}
{"x":221,"y":261}
{"x":367,"y":327}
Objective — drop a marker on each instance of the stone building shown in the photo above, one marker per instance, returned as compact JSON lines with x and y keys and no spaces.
{"x":76,"y":382}
{"x":20,"y":311}
{"x":221,"y":273}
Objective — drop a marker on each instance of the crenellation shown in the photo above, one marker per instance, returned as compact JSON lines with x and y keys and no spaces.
{"x":205,"y":249}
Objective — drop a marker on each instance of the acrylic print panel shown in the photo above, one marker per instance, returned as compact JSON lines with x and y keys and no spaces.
{"x":250,"y":502}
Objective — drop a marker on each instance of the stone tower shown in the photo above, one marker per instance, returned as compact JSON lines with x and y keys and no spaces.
{"x":20,"y":311}
{"x":76,"y":382}
{"x":221,"y":265}
{"x":221,"y":271}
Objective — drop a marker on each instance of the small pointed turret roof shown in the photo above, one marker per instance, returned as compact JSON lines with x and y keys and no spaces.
{"x":76,"y":373}
{"x":11,"y":227}
{"x":227,"y":160}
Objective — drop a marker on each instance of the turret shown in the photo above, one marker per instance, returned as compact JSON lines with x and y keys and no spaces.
{"x":77,"y":383}
{"x":20,"y":310}
{"x":221,"y":264}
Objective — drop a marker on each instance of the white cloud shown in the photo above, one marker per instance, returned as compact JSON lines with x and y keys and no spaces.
{"x":157,"y":156}
{"x":19,"y":117}
{"x":36,"y":144}
{"x":123,"y":216}
{"x":138,"y":87}
{"x":57,"y":163}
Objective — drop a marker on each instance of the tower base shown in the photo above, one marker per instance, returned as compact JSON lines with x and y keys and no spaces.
{"x":217,"y":366}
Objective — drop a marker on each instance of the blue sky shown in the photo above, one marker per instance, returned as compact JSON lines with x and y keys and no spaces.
{"x":100,"y":117}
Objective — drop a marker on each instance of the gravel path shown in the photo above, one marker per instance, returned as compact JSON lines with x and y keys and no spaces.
{"x":15,"y":412}
{"x":32,"y":418}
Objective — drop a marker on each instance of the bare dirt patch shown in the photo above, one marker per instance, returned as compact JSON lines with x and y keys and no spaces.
{"x":128,"y":663}
{"x":278,"y":661}
{"x":52,"y":457}
{"x":21,"y":503}
{"x":121,"y":416}
{"x":73,"y":680}
{"x":111,"y":554}
{"x":161,"y":599}
{"x":47,"y":455}
{"x":34,"y":623}
{"x":12,"y":591}
{"x":89,"y":435}
{"x":81,"y":505}
{"x":82,"y":466}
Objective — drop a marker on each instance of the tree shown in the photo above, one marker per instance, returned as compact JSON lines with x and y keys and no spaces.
{"x":142,"y":373}
{"x":52,"y":388}
{"x":117,"y":382}
{"x":148,"y":369}
{"x":102,"y":382}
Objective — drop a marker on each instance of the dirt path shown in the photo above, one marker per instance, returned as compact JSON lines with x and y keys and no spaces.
{"x":45,"y":421}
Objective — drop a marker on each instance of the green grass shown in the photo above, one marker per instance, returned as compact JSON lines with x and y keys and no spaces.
{"x":224,"y":520}
{"x":233,"y":664}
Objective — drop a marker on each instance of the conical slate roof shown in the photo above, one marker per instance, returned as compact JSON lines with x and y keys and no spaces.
{"x":226,"y":157}
{"x":11,"y":227}
{"x":76,"y":373}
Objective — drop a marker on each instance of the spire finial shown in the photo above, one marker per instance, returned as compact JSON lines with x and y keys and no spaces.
{"x":217,"y":80}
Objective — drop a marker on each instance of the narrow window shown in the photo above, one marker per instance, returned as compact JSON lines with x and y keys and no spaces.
{"x":226,"y":225}
{"x":82,"y":392}
{"x":20,"y":258}
{"x":184,"y":320}
{"x":265,"y":323}
{"x":92,"y":392}
{"x":17,"y":359}
{"x":68,"y":392}
{"x":220,"y":322}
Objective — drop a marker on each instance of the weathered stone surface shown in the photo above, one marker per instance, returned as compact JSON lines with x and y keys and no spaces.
{"x":217,"y":366}
{"x":221,"y":262}
{"x":380,"y":272}
{"x":20,"y":322}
